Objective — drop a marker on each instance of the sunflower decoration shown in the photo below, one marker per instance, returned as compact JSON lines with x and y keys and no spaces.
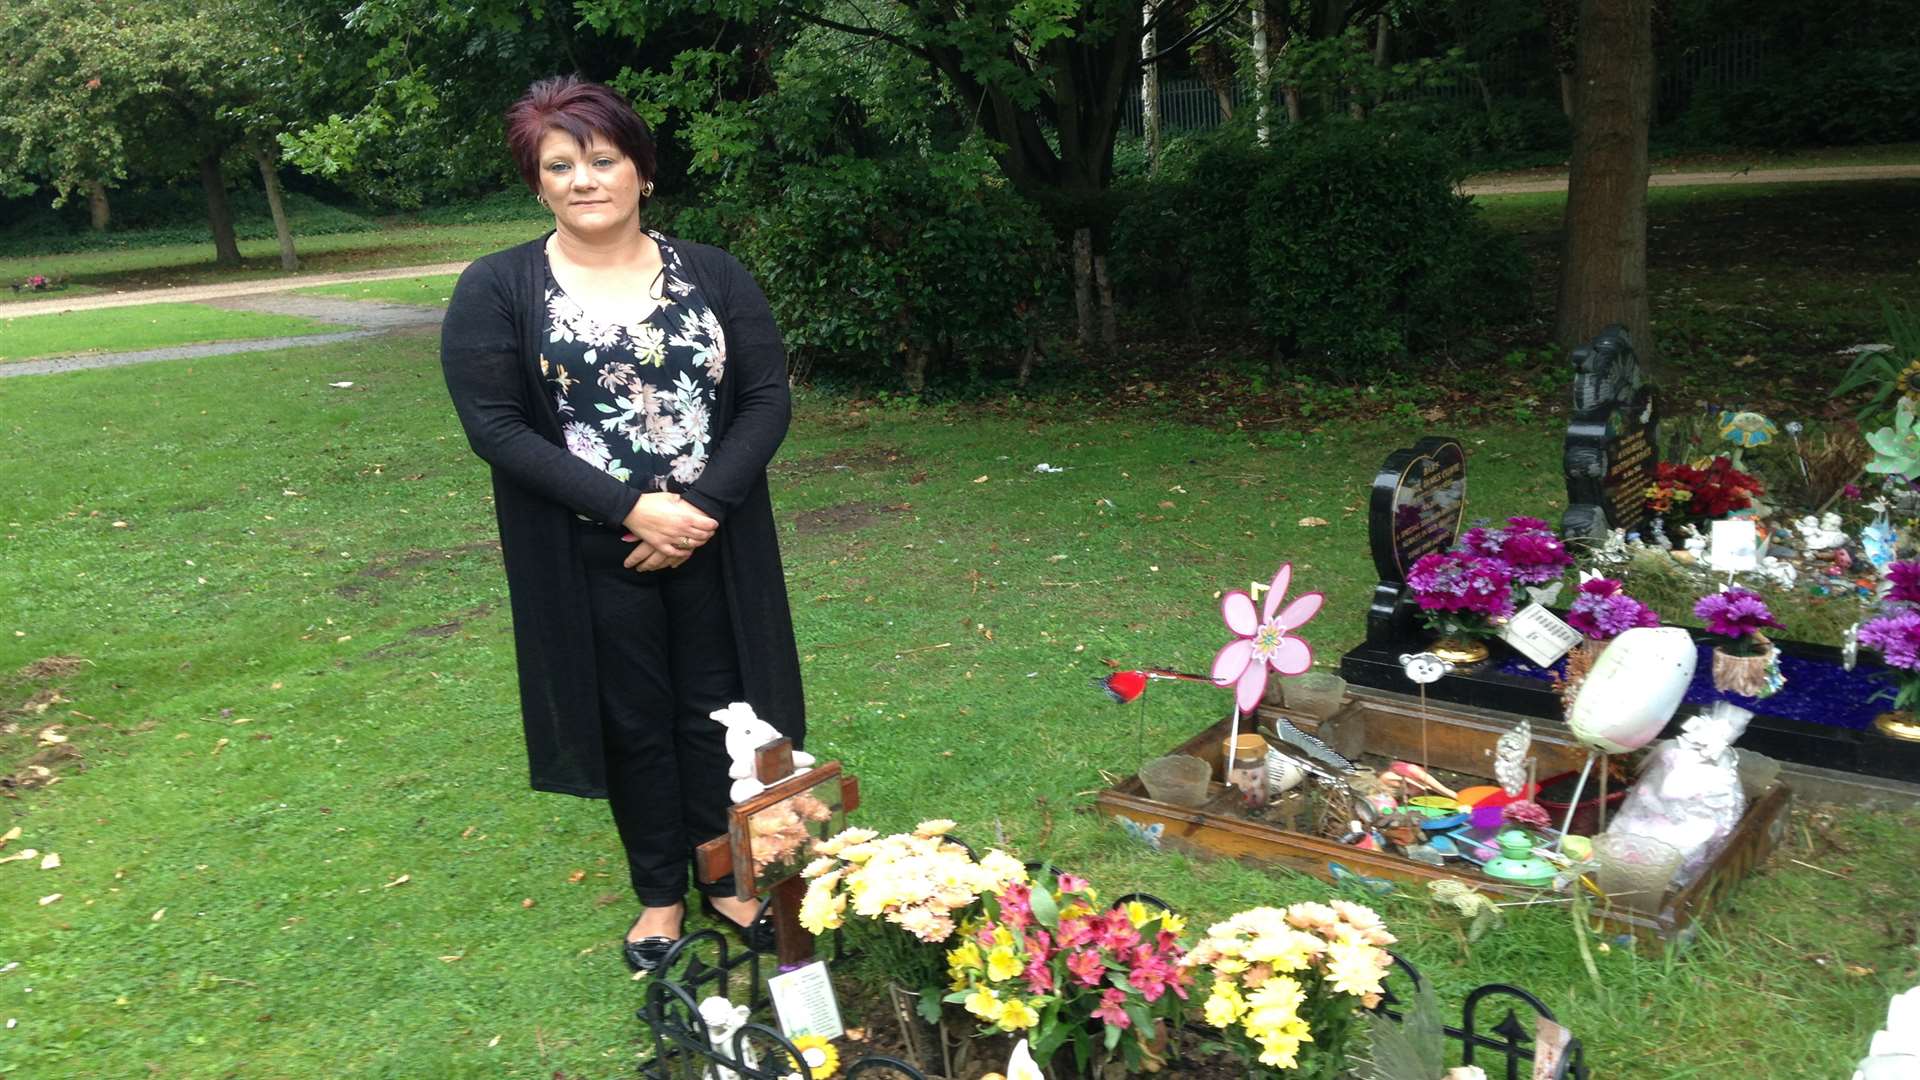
{"x":1908,"y":381}
{"x":821,"y":1058}
{"x":1746,"y":430}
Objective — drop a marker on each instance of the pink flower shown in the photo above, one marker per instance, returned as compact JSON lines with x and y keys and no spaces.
{"x":1087,"y":966}
{"x":1117,"y":933}
{"x":1074,"y":932}
{"x":1110,"y":1011}
{"x":1039,"y":944}
{"x":1039,"y":975}
{"x":1072,"y":883}
{"x":1149,"y":975}
{"x":1016,"y":906}
{"x":1265,"y":639}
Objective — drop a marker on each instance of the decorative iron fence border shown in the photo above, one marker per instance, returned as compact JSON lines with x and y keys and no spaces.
{"x":683,"y":1048}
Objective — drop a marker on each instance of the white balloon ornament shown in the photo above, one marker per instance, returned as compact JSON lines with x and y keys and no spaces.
{"x":1634,"y":689}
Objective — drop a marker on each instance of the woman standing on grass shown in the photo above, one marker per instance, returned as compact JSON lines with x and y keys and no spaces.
{"x":629,"y":389}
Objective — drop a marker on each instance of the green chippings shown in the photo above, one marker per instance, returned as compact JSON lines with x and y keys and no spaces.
{"x":267,"y":614}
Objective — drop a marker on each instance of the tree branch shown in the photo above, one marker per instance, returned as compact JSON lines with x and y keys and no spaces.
{"x":858,"y":31}
{"x":1225,"y":15}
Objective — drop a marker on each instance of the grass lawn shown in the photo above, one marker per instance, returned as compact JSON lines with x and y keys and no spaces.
{"x":432,"y":290}
{"x":292,"y":816}
{"x":148,"y":326}
{"x":192,"y":264}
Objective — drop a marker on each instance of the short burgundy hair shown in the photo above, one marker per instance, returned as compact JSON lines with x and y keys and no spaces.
{"x":582,"y":109}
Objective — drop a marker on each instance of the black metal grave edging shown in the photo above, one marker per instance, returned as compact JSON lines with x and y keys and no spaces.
{"x":683,"y":1047}
{"x":682,"y":1042}
{"x":1514,"y":1044}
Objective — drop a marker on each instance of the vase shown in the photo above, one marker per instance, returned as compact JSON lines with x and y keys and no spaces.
{"x":1460,"y":650}
{"x":1748,"y":676}
{"x":1898,"y":725}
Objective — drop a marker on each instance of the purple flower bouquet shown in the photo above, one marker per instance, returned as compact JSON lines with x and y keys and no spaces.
{"x":1526,"y":544}
{"x":1461,"y":593}
{"x":1603,"y":611}
{"x":1895,"y":633}
{"x":1737,"y":615}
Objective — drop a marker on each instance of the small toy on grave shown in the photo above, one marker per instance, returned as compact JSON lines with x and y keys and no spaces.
{"x":746,"y":734}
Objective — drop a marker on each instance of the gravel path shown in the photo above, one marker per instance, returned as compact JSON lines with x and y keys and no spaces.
{"x":177,"y":352}
{"x":188,"y":294}
{"x":366,"y":318}
{"x":1819,"y":174}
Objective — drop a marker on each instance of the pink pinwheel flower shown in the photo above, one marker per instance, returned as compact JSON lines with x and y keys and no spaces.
{"x":1266,"y":639}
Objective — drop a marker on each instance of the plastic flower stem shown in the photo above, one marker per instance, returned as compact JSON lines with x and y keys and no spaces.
{"x":1579,"y":786}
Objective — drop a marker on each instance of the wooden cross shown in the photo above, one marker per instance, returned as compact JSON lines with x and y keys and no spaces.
{"x":815,"y":801}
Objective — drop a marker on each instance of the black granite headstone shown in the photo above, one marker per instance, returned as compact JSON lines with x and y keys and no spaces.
{"x":1612,"y":449}
{"x":1419,"y":498}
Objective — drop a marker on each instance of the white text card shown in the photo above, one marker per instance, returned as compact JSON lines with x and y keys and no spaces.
{"x":803,"y":1000}
{"x":1539,"y":635}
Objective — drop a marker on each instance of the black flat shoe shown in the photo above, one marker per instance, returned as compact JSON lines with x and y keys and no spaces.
{"x":757,"y":935}
{"x":648,"y":953}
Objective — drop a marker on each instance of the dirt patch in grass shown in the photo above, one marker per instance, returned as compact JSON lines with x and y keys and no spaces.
{"x":842,"y":517}
{"x":50,"y":669}
{"x":385,"y":568}
{"x":36,"y":743}
{"x":863,"y":459}
{"x":452,"y":626}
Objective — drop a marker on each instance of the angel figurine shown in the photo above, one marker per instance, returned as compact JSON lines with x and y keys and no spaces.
{"x":1510,"y":758}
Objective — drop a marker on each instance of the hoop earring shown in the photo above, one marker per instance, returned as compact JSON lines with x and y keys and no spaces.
{"x":647,"y":192}
{"x":542,"y":200}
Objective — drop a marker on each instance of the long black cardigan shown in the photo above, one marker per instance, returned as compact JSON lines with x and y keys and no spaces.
{"x":489,"y":350}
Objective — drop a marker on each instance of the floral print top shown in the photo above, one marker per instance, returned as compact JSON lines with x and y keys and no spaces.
{"x":636,"y":399}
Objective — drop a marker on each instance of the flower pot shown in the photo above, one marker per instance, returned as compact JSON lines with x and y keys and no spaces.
{"x":1315,"y":695}
{"x":1635,"y":871}
{"x":1555,"y":790}
{"x":1749,"y":676}
{"x":1180,"y":779}
{"x":1898,"y":725}
{"x":1460,"y":650}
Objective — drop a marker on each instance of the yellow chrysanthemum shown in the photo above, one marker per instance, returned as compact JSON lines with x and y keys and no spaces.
{"x":1286,"y":950}
{"x":986,"y":1005}
{"x":822,"y":909}
{"x":1138,"y":913}
{"x":964,"y":957}
{"x":1018,"y":1015}
{"x":1276,"y":1002}
{"x":1225,"y":1006}
{"x":819,"y":866}
{"x":1281,"y":1048}
{"x":927,"y":830}
{"x":821,"y":1058}
{"x":1353,"y":967}
{"x":1003,"y":964}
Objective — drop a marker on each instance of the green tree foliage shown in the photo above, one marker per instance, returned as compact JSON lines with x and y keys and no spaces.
{"x":909,"y":263}
{"x":93,"y":92}
{"x":1360,"y":249}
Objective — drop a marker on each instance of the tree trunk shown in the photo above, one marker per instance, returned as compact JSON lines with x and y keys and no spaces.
{"x":1262,"y":73}
{"x":1109,"y":323}
{"x":99,"y":211}
{"x":1083,"y":287}
{"x":1217,"y":71}
{"x":271,"y":179}
{"x":1566,"y":93}
{"x":1150,"y":91}
{"x":219,"y":214}
{"x":1603,"y":269}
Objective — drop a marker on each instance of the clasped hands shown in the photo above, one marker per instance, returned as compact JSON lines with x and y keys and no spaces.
{"x":668,"y":529}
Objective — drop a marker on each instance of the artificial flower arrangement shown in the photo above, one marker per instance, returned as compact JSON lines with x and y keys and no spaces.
{"x":1895,"y":632}
{"x":1462,"y":594}
{"x":778,"y":835}
{"x":1527,"y":545}
{"x":1710,"y":490}
{"x":1736,"y":616}
{"x":919,"y":884}
{"x":1602,"y":610}
{"x":1046,"y":963}
{"x":1744,"y":662}
{"x":1287,"y":984}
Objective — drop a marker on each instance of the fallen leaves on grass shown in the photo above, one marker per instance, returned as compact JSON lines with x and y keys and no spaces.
{"x":576,"y":877}
{"x":9,"y":836}
{"x":49,"y":899}
{"x":158,"y":915}
{"x":1313,"y":522}
{"x":50,"y":861}
{"x":23,"y":853}
{"x":401,"y":880}
{"x":527,"y":902}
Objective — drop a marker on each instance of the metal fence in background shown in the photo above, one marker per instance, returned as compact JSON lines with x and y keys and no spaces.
{"x":1189,"y":104}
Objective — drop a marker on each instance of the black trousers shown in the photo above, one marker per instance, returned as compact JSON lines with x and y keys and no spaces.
{"x":664,"y":646}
